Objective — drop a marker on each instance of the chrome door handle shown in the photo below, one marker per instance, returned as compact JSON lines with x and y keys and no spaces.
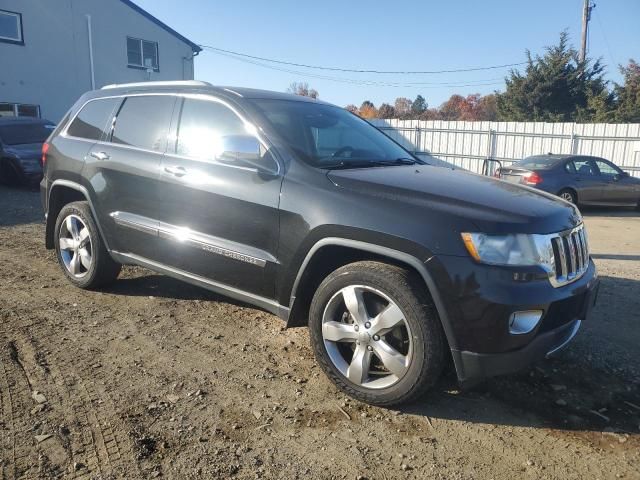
{"x":100,"y":155}
{"x":176,"y":171}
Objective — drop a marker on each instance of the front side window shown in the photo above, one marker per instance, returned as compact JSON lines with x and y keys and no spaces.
{"x":202,"y":124}
{"x":142,"y":53}
{"x":607,"y":169}
{"x":93,"y":119}
{"x":11,"y":27}
{"x":330,"y":137}
{"x":143,"y":122}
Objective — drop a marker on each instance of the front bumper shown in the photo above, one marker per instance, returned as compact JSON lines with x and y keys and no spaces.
{"x":479,"y":308}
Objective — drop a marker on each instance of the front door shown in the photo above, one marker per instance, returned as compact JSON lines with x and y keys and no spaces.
{"x":589,"y":184}
{"x":219,"y":216}
{"x":618,"y":187}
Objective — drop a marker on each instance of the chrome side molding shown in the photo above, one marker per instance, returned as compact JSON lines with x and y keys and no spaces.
{"x":184,"y":235}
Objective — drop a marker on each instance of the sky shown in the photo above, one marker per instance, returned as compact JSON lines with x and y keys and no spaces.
{"x":403,"y":35}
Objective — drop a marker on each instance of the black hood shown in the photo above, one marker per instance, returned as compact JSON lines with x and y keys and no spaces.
{"x":494,"y":206}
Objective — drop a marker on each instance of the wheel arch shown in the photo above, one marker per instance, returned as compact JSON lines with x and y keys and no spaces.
{"x":61,"y":193}
{"x":331,"y":253}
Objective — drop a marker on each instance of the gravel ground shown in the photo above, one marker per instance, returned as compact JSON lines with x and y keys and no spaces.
{"x":155,"y":378}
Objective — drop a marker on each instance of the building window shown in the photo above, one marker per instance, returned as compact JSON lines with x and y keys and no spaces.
{"x":11,"y":27}
{"x":19,"y":110}
{"x":142,"y":53}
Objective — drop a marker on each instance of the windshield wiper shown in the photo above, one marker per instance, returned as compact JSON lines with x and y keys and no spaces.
{"x":370,"y":163}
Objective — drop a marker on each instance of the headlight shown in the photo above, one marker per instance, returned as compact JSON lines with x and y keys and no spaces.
{"x":514,"y":249}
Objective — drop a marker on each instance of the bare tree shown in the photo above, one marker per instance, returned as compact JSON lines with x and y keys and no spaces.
{"x":302,"y":89}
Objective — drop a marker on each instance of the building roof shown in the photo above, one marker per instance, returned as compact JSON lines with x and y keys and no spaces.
{"x":194,"y":46}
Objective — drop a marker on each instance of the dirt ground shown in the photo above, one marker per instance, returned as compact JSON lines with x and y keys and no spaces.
{"x":155,"y":378}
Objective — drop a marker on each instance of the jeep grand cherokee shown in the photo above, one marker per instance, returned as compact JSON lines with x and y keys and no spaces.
{"x":307,"y":211}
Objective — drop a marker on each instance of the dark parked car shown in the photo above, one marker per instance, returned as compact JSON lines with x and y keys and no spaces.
{"x":21,"y":142}
{"x":309,"y":212}
{"x":578,"y":179}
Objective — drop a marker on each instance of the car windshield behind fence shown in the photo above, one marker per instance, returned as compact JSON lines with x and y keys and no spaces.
{"x":25,"y":133}
{"x":330,"y":137}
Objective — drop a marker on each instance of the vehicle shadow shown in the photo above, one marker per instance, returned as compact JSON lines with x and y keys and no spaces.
{"x":162,"y":286}
{"x":609,"y":212}
{"x":593,"y":386}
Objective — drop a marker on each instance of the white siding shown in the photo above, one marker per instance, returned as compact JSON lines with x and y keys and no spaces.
{"x":52,"y":68}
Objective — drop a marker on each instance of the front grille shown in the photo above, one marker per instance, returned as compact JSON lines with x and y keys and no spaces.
{"x":571,"y":255}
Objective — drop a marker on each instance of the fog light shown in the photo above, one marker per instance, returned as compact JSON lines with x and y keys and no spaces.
{"x":524,"y":322}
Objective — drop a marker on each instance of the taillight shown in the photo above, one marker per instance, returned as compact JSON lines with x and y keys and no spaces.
{"x":45,"y":149}
{"x":497,"y":173}
{"x":533,"y":179}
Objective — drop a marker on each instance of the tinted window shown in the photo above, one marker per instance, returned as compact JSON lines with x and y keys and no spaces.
{"x":93,"y":119}
{"x":10,"y":26}
{"x":23,"y":134}
{"x":143,"y":122}
{"x":584,"y":167}
{"x":570,"y":167}
{"x":201,"y":123}
{"x":329,"y":137}
{"x":607,"y":169}
{"x":538,"y":162}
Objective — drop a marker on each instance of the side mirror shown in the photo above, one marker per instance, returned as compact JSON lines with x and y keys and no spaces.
{"x":245,"y":150}
{"x":233,"y":148}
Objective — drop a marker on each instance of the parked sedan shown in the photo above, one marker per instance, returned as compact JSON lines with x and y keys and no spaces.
{"x":21,"y":142}
{"x":578,"y":179}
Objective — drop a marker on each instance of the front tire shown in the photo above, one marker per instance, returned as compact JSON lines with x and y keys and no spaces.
{"x":376,"y":334}
{"x":80,"y":250}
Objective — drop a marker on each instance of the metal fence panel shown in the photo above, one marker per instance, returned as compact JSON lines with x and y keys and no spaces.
{"x":467,"y":144}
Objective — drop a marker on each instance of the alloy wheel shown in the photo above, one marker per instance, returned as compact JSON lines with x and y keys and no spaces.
{"x":566,"y":196}
{"x":76,"y":250}
{"x":367,"y":337}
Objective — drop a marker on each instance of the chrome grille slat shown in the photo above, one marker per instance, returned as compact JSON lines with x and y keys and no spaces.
{"x":571,"y":254}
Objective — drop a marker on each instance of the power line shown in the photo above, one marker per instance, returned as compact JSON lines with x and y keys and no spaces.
{"x":357,"y":70}
{"x":353,"y":81}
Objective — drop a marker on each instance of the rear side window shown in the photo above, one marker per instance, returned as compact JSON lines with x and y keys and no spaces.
{"x":92,"y":120}
{"x":584,"y":167}
{"x":201,"y":123}
{"x":22,"y":134}
{"x":143,"y":122}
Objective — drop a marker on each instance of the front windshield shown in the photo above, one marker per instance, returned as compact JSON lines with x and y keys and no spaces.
{"x":330,"y":137}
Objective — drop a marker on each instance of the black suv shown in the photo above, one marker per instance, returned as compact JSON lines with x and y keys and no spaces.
{"x":305,"y":210}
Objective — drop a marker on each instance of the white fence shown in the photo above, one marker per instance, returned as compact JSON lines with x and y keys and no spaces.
{"x":467,"y":144}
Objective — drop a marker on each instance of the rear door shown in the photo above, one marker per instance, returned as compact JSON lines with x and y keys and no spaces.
{"x":124,"y":171}
{"x":589,"y":184}
{"x":619,"y":189}
{"x":219,"y":219}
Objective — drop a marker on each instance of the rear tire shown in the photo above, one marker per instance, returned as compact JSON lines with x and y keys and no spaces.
{"x":568,"y":195}
{"x":80,"y":250}
{"x":378,"y":363}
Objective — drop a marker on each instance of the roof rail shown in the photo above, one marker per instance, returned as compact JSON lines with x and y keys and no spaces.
{"x":178,"y":83}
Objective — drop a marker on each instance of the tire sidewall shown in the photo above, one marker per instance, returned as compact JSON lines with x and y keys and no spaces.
{"x":574,"y":199}
{"x":80,"y":211}
{"x":419,"y":333}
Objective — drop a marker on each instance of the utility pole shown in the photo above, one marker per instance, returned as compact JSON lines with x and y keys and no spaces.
{"x":586,"y":16}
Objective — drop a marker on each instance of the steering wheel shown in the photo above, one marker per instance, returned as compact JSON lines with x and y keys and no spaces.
{"x":338,"y":153}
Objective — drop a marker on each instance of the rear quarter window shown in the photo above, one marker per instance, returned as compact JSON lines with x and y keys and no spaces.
{"x":93,"y":119}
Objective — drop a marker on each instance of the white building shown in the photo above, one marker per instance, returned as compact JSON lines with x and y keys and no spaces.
{"x":52,"y":51}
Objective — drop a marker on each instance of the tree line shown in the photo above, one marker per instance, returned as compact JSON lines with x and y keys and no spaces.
{"x":554,"y":87}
